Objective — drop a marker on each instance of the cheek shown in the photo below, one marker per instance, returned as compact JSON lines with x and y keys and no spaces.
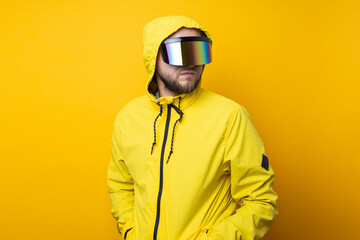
{"x":199,"y":70}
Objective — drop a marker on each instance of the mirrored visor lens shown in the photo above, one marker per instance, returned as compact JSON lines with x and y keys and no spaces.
{"x":184,"y":53}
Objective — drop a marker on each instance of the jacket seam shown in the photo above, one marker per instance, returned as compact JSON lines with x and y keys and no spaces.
{"x":227,"y":131}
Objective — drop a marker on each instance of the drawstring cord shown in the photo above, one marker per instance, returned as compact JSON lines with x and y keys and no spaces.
{"x":172,"y":138}
{"x":177,"y":109}
{"x":154,"y":143}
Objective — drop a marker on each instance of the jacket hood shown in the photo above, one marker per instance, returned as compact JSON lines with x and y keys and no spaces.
{"x":154,"y":33}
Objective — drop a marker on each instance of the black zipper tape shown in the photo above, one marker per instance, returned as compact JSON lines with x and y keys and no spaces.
{"x":162,"y":172}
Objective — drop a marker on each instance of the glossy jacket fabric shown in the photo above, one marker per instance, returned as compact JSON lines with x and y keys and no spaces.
{"x":187,"y":167}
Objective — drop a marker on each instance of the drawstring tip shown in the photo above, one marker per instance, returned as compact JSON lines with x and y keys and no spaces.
{"x":152,"y":148}
{"x":171,"y":152}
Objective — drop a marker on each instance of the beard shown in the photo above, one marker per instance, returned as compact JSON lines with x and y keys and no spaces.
{"x":171,"y":83}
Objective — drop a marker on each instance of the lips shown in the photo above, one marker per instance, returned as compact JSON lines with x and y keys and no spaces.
{"x":187,"y":73}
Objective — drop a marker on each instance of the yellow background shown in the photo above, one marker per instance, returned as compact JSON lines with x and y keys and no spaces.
{"x":67,"y":68}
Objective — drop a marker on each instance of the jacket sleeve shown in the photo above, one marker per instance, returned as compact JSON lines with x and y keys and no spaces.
{"x":251,"y":183}
{"x":121,"y":188}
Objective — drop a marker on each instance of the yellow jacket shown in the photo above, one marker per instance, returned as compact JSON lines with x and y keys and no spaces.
{"x":187,"y":167}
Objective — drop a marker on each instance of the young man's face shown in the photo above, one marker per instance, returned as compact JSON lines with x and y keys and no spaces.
{"x":176,"y":80}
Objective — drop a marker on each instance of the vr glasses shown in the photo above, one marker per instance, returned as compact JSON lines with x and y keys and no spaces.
{"x":185,"y":51}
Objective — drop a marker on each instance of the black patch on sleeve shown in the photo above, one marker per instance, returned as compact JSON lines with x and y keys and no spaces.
{"x":265,"y":162}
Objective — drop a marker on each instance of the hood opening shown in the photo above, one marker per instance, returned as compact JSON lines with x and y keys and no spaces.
{"x":153,"y":34}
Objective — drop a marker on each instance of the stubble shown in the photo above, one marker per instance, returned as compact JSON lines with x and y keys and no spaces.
{"x":171,"y":82}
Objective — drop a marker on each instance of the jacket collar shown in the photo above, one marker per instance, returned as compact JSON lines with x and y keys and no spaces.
{"x":186,"y":99}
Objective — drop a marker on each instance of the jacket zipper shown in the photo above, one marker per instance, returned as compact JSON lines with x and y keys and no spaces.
{"x":161,"y":172}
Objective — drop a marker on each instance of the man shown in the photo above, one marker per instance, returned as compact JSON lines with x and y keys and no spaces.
{"x":187,"y":163}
